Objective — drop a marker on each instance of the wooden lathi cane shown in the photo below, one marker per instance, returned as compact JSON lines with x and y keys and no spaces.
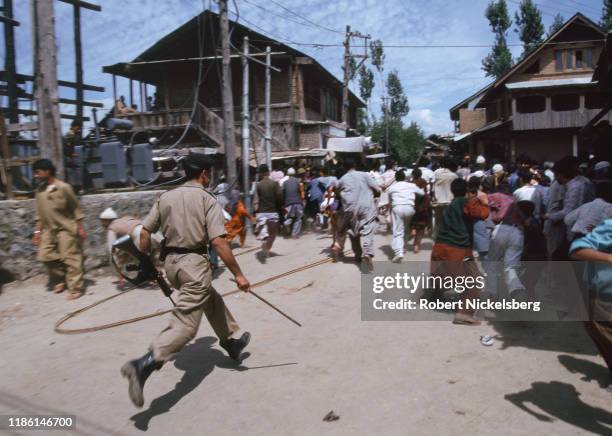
{"x":263,"y":300}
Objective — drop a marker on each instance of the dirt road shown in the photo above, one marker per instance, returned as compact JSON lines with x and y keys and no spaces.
{"x":379,"y":377}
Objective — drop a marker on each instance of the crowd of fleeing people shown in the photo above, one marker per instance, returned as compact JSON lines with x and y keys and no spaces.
{"x":499,"y":215}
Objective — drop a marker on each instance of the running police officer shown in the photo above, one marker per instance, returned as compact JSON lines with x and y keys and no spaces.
{"x":189,"y":218}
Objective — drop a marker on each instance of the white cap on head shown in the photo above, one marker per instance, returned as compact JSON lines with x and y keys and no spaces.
{"x":108,"y":214}
{"x":480,"y":159}
{"x":602,"y":165}
{"x":498,"y":168}
{"x":291,"y":171}
{"x":478,"y":173}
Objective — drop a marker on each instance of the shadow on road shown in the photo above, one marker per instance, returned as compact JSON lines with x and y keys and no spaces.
{"x":197,"y":360}
{"x":590,"y":370}
{"x":561,"y":337}
{"x":560,"y":400}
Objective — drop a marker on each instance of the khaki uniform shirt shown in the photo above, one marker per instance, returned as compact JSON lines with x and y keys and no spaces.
{"x":189,"y":217}
{"x":58,"y":208}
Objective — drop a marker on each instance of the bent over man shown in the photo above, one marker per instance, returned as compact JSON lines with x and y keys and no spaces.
{"x":190,"y":218}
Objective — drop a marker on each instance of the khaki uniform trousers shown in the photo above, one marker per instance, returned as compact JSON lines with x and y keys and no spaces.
{"x":192,"y":276}
{"x":62,"y":255}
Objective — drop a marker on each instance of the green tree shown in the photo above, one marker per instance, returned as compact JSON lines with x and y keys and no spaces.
{"x":405,"y":143}
{"x":398,"y":106}
{"x":366,"y":86}
{"x":352,"y":68}
{"x":413,"y":142}
{"x":499,"y":61}
{"x":606,"y":15}
{"x":557,"y":23}
{"x":377,"y":55}
{"x":363,"y":121}
{"x":366,"y":83}
{"x":529,"y":26}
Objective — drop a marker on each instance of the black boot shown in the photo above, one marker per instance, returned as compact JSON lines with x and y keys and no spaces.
{"x":137,"y":372}
{"x":234,"y":347}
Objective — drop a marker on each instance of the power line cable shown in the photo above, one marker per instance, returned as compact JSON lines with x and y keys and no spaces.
{"x":428,"y":46}
{"x":304,"y":23}
{"x":307,"y":19}
{"x":593,"y":9}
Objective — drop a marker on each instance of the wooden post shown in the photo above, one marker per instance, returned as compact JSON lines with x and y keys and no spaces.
{"x":267,"y":118}
{"x":10,"y":62}
{"x":346,"y":79}
{"x":142,"y":97}
{"x":229,"y":138}
{"x":131,"y":92}
{"x":146,"y":108}
{"x":5,"y":170}
{"x":114,"y":95}
{"x":245,"y":122}
{"x":78,"y":55}
{"x":49,"y":133}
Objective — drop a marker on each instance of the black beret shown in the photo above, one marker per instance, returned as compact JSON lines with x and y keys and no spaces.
{"x":198,"y":161}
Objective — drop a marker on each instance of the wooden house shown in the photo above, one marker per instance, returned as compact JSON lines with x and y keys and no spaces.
{"x":541,"y":105}
{"x":306,"y":99}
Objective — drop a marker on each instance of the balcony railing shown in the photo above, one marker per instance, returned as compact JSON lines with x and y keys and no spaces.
{"x":550,"y":119}
{"x":158,"y":120}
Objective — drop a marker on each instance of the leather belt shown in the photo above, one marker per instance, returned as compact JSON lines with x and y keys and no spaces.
{"x":181,"y":250}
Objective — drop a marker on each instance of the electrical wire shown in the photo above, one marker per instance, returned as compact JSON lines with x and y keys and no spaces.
{"x":307,"y":19}
{"x":302,"y":23}
{"x":196,"y":97}
{"x":425,"y":46}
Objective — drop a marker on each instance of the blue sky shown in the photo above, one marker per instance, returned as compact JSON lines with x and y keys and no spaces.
{"x":434,"y":79}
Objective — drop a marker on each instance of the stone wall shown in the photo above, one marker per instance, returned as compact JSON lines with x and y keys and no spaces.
{"x":18,"y":255}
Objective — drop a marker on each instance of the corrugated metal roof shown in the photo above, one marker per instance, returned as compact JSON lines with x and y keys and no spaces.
{"x":458,"y":138}
{"x":347,"y":145}
{"x":586,"y":80}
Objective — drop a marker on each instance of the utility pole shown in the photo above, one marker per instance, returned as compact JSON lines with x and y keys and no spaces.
{"x":349,"y":75}
{"x":245,"y":122}
{"x":267,"y":120}
{"x":78,"y":55}
{"x":49,"y":131}
{"x":386,"y":116}
{"x":9,"y":60}
{"x":346,"y":79}
{"x":229,"y":138}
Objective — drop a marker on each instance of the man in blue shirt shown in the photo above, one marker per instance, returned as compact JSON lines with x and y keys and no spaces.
{"x":596,"y":249}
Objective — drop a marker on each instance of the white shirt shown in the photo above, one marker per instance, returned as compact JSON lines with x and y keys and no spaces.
{"x":404,"y":193}
{"x":530,"y":193}
{"x":442,"y":183}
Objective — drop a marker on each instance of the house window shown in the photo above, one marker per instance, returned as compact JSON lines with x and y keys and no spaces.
{"x":559,"y":60}
{"x":331,"y":105}
{"x":569,"y":60}
{"x":589,"y":57}
{"x":565,"y":102}
{"x":530,"y":104}
{"x":579,"y":57}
